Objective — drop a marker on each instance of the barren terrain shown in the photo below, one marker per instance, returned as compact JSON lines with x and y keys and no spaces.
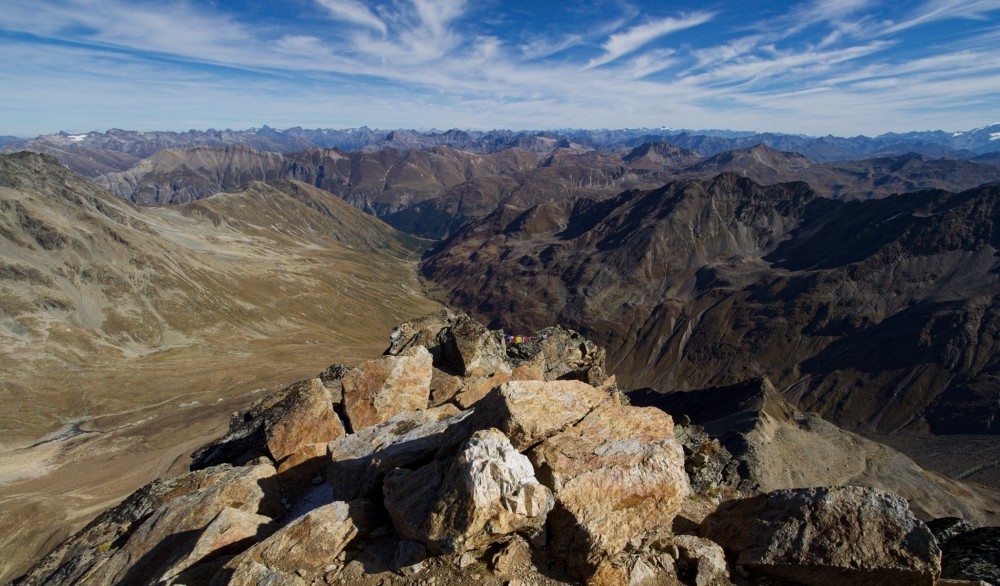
{"x":128,"y":335}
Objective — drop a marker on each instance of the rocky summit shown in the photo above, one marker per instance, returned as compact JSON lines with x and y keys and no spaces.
{"x":469,"y":456}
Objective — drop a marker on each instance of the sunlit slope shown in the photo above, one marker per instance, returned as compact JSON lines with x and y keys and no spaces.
{"x":97,"y":294}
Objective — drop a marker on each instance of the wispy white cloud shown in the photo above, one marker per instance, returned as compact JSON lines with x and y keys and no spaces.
{"x":935,"y":10}
{"x":433,"y":63}
{"x":353,"y":11}
{"x":625,"y":42}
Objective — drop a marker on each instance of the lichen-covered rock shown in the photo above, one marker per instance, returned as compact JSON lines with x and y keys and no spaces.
{"x":306,"y":545}
{"x":359,"y":462}
{"x":486,"y":492}
{"x":150,"y":534}
{"x":378,"y":389}
{"x":700,"y":561}
{"x":230,"y":532}
{"x":259,"y":429}
{"x":561,"y":354}
{"x":530,"y":411}
{"x":308,"y":418}
{"x":972,"y":555}
{"x":473,"y":350}
{"x":424,"y":331}
{"x":102,"y":538}
{"x":711,"y":468}
{"x":257,"y":574}
{"x":830,"y":535}
{"x":615,"y":474}
{"x":944,"y":528}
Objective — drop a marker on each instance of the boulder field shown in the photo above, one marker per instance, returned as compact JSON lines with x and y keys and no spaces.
{"x":460,"y":458}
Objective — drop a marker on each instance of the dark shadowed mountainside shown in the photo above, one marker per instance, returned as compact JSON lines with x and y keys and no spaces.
{"x":881,"y":315}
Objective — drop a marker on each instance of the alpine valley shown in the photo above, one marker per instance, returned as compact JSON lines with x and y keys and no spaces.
{"x":640,"y":356}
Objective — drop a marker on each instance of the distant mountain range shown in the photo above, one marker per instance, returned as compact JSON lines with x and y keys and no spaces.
{"x":431,"y":192}
{"x":132,"y":146}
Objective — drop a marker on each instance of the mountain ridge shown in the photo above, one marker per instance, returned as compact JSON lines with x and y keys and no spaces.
{"x":877,"y":315}
{"x":134,"y":145}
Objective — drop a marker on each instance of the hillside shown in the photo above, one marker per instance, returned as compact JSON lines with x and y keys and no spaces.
{"x":120,"y":325}
{"x":881,"y":316}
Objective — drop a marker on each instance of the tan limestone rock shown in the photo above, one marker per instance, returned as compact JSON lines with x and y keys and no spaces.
{"x":422,"y":331}
{"x":358,"y":462}
{"x":701,"y":560}
{"x":828,"y":535}
{"x":257,"y":574}
{"x":307,"y":544}
{"x":562,"y":353}
{"x":616,"y":474}
{"x":475,"y":390}
{"x":486,"y":492}
{"x":444,"y":387}
{"x":171,"y":532}
{"x":230,"y":532}
{"x":474,"y":350}
{"x":308,"y":419}
{"x":530,"y":411}
{"x":301,"y":470}
{"x":525,"y":372}
{"x":378,"y":389}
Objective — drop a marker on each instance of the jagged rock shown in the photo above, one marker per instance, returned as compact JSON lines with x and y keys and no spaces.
{"x":486,"y":492}
{"x":530,"y":411}
{"x":299,"y":472}
{"x":693,"y":511}
{"x":972,"y":555}
{"x":561,"y":354}
{"x":711,"y":468}
{"x":359,"y":461}
{"x":945,"y":528}
{"x":444,"y":387}
{"x":332,"y":379}
{"x":636,"y":568}
{"x":308,"y":418}
{"x":107,"y":533}
{"x":230,"y":532}
{"x":473,"y":350}
{"x":254,"y":432}
{"x":473,"y":391}
{"x":777,"y":446}
{"x":257,"y":574}
{"x":700,"y":561}
{"x":514,"y":554}
{"x":615,"y":474}
{"x":423,"y":331}
{"x":827,"y":535}
{"x":378,"y":389}
{"x":306,"y":545}
{"x":157,"y":528}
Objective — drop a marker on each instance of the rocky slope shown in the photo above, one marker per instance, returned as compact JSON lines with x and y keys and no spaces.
{"x":455,"y":458}
{"x":115,"y":319}
{"x":879,"y":315}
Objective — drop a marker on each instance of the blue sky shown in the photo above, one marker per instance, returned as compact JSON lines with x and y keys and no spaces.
{"x":840,"y":67}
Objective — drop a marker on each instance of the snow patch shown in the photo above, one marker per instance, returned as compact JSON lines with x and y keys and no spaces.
{"x":995,"y":136}
{"x":77,"y":137}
